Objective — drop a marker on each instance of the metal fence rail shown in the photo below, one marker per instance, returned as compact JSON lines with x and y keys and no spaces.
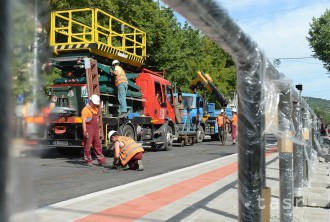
{"x":254,"y":73}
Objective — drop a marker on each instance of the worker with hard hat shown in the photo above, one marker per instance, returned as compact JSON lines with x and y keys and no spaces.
{"x":90,"y":125}
{"x":122,"y":84}
{"x":234,"y":121}
{"x":222,"y":120}
{"x":128,"y":154}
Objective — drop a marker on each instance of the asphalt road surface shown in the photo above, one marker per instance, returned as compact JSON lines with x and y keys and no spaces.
{"x":44,"y":180}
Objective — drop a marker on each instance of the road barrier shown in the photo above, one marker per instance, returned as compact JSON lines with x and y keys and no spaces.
{"x":258,"y":83}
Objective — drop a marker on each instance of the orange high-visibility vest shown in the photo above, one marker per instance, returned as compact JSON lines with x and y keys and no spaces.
{"x":121,"y":76}
{"x":234,"y":120}
{"x":221,"y":120}
{"x":129,"y":149}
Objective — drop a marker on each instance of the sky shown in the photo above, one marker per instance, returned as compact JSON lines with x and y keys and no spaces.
{"x":280,"y":29}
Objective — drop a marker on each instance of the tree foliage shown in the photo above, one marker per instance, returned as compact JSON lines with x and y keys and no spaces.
{"x":22,"y":30}
{"x":321,"y":108}
{"x":179,"y":49}
{"x":319,"y":38}
{"x":23,"y":35}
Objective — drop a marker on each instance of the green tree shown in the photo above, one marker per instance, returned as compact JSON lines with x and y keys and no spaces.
{"x":319,"y":38}
{"x":321,"y":108}
{"x":181,"y":50}
{"x":22,"y":32}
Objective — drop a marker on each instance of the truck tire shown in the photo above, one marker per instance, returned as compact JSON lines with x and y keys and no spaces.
{"x":168,"y":141}
{"x":128,"y":131}
{"x":200,"y":134}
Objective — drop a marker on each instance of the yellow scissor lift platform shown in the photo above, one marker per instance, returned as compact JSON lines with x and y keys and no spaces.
{"x":95,"y":31}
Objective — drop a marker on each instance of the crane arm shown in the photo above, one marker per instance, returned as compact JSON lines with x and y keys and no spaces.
{"x":207,"y":82}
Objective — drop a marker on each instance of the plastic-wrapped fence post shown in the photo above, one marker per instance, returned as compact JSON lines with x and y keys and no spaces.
{"x":5,"y":104}
{"x":306,"y":138}
{"x":315,"y":135}
{"x":250,"y":62}
{"x":298,"y":156}
{"x":285,"y":147}
{"x":318,"y":129}
{"x":311,"y":146}
{"x":312,"y":127}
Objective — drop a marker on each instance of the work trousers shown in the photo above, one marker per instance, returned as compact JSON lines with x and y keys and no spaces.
{"x":92,"y":128}
{"x":122,"y":91}
{"x":133,"y":163}
{"x":233,"y":132}
{"x":220,"y":130}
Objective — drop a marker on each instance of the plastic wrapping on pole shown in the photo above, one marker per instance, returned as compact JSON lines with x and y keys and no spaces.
{"x":298,"y":154}
{"x":305,"y":138}
{"x":4,"y":108}
{"x":285,"y":158}
{"x":316,"y":145}
{"x":214,"y":21}
{"x":310,"y":155}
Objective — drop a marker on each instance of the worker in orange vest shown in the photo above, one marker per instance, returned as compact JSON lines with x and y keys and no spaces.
{"x":222,"y":120}
{"x":90,"y":125}
{"x":234,"y":121}
{"x":122,"y":85}
{"x":128,"y":153}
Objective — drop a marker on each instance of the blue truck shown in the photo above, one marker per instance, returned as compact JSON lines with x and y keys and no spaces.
{"x":198,"y":115}
{"x":189,"y":118}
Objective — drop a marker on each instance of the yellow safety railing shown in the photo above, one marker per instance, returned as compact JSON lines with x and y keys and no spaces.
{"x":99,"y":32}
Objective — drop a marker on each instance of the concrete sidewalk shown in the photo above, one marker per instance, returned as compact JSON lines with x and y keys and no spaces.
{"x":204,"y":192}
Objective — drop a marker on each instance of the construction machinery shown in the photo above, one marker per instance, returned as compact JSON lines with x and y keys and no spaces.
{"x":85,"y":41}
{"x":207,"y":113}
{"x":189,"y":126}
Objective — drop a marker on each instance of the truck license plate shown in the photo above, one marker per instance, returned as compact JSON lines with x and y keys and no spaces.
{"x":60,"y":143}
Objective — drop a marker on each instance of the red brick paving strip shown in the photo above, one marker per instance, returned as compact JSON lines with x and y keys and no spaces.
{"x":139,"y":207}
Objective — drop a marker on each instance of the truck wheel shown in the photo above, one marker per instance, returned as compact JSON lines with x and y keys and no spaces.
{"x":168,"y":139}
{"x":200,"y":134}
{"x":128,"y":131}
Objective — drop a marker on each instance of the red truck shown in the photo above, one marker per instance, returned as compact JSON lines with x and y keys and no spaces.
{"x":83,"y":51}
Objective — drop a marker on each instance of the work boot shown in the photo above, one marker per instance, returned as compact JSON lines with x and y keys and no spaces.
{"x":126,"y":167}
{"x":89,"y":164}
{"x":140,"y":166}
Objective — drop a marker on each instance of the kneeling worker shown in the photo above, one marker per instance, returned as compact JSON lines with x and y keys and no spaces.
{"x":127,"y":152}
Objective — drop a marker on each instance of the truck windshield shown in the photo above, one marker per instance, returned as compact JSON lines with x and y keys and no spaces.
{"x":188,"y":101}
